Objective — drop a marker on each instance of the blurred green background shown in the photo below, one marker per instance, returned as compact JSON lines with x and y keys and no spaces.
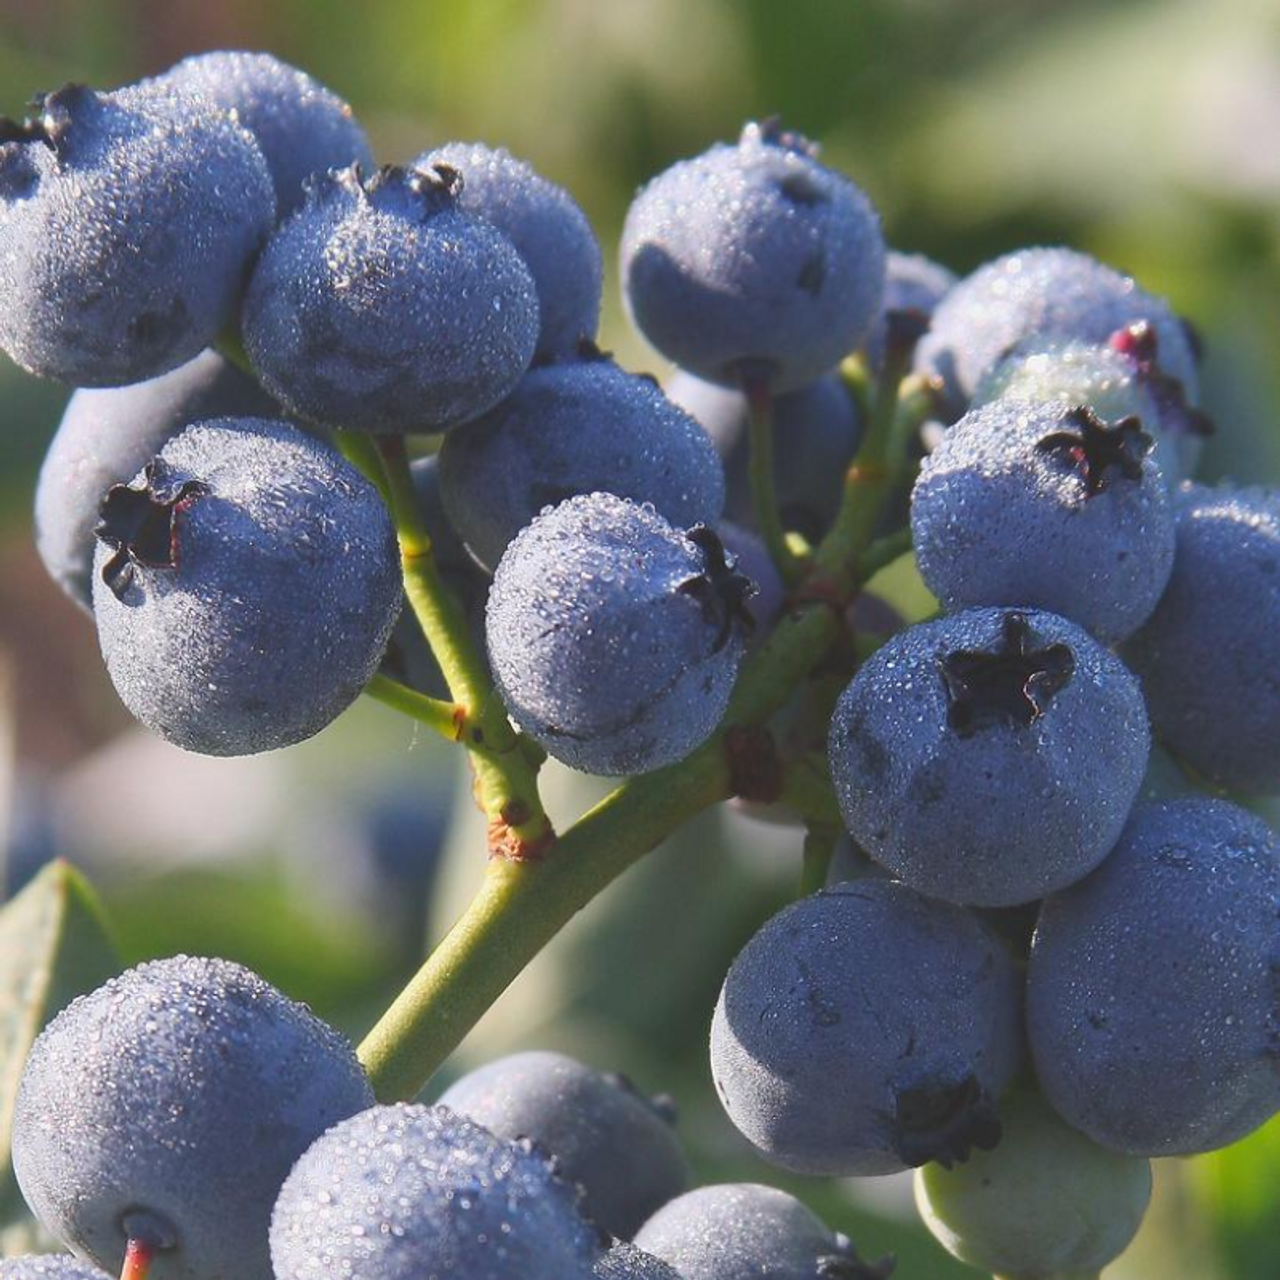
{"x":1146,"y":133}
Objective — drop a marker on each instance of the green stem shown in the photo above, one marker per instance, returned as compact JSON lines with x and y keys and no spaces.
{"x":806,"y":790}
{"x":883,"y":552}
{"x":446,"y":718}
{"x":359,"y":449}
{"x":764,"y":497}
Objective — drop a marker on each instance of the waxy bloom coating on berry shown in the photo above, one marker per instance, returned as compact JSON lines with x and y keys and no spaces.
{"x":405,"y":1192}
{"x":171,"y":1102}
{"x":382,"y":306}
{"x":1045,"y":507}
{"x":990,"y":757}
{"x":302,"y":128}
{"x":245,"y":585}
{"x":816,"y":430}
{"x":125,"y":233}
{"x":735,"y":1230}
{"x":619,"y":1147}
{"x":53,"y":1266}
{"x":866,"y":1029}
{"x":579,"y":426}
{"x":548,"y":230}
{"x":1046,"y":1201}
{"x":107,"y":435}
{"x":614,"y":637}
{"x":1151,"y":991}
{"x":1042,"y":293}
{"x":912,"y":283}
{"x":1209,"y":654}
{"x":625,"y":1262}
{"x":753,"y":260}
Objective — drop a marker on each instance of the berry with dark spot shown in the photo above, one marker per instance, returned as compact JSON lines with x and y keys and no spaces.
{"x":866,"y":1029}
{"x":126,"y":233}
{"x":753,"y":260}
{"x":1045,"y":507}
{"x":990,"y":757}
{"x":382,"y":306}
{"x":246,"y":582}
{"x":615,"y":638}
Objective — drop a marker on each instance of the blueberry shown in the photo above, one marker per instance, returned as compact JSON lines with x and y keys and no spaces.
{"x":1048,"y":507}
{"x":1209,"y":654}
{"x":382,"y":306}
{"x":866,"y":1029}
{"x":105,"y":438}
{"x":405,"y":1192}
{"x":54,"y":1266}
{"x":732,"y":1231}
{"x":990,"y":757}
{"x":1041,"y":293}
{"x":169,"y":1105}
{"x":1151,"y":990}
{"x":578,"y":426}
{"x":615,"y":638}
{"x":626,"y":1262}
{"x":754,"y":260}
{"x":245,"y":586}
{"x":1118,"y":379}
{"x":755,"y":563}
{"x":549,"y":232}
{"x":125,"y":236}
{"x":301,"y":127}
{"x":615,"y":1144}
{"x":816,"y":430}
{"x":912,"y":283}
{"x":1046,"y":1201}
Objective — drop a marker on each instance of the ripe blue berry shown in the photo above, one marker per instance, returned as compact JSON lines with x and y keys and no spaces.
{"x":619,"y":1147}
{"x":245,"y":586}
{"x":753,"y":260}
{"x":382,"y":306}
{"x":53,"y":1266}
{"x":625,"y":1262}
{"x":1047,"y":507}
{"x":1151,"y":990}
{"x":301,"y":128}
{"x":580,"y":426}
{"x":549,"y":232}
{"x":816,"y":430}
{"x":405,"y":1192}
{"x":866,"y":1029}
{"x":735,"y":1230}
{"x":169,"y":1105}
{"x":107,"y":436}
{"x":125,"y":234}
{"x":1208,"y":655}
{"x":615,"y":638}
{"x":912,"y":283}
{"x":1042,"y":293}
{"x":990,"y":757}
{"x":1046,"y":1201}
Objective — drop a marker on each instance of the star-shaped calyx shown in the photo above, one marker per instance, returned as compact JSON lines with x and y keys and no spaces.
{"x":1011,"y":684}
{"x":1095,"y":450}
{"x":141,"y":525}
{"x":1140,"y":345}
{"x":719,"y":590}
{"x":943,"y":1120}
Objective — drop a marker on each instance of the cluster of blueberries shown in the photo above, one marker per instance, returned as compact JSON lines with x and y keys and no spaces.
{"x":1026,"y":977}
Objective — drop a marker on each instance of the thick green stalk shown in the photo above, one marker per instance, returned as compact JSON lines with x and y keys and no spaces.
{"x":760,"y":472}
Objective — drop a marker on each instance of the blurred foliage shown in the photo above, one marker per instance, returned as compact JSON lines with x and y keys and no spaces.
{"x":1145,"y":131}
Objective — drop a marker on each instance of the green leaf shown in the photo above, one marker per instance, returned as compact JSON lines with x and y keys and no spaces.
{"x":53,"y":946}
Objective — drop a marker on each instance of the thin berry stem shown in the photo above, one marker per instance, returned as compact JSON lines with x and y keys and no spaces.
{"x":138,"y":1257}
{"x":819,"y":846}
{"x":506,"y":778}
{"x":446,"y":718}
{"x":883,"y":552}
{"x":359,"y":449}
{"x":760,"y":468}
{"x":806,"y":790}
